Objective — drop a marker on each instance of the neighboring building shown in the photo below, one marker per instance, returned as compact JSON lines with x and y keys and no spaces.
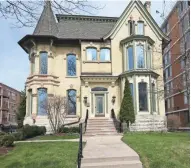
{"x":87,"y":58}
{"x":9,"y":103}
{"x":176,"y":72}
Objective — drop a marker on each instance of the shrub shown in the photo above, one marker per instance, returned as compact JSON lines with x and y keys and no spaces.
{"x":126,"y":113}
{"x":7,"y":140}
{"x":18,"y":136}
{"x":69,"y":129}
{"x":32,"y":131}
{"x":173,"y":122}
{"x":2,"y":133}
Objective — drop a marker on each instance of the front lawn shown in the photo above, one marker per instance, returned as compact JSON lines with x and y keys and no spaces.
{"x":156,"y":150}
{"x":41,"y":155}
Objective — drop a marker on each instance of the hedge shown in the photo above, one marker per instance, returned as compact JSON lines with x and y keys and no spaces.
{"x":32,"y":131}
{"x":69,"y":129}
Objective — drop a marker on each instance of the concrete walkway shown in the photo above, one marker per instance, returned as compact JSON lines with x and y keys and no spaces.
{"x":109,"y":152}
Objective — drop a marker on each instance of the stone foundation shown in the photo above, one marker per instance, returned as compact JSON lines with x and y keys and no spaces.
{"x":149,"y":123}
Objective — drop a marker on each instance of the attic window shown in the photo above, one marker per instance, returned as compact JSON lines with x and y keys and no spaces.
{"x":140,"y":28}
{"x":131,"y":27}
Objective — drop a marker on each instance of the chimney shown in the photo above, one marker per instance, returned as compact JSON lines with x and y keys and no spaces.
{"x":147,"y":5}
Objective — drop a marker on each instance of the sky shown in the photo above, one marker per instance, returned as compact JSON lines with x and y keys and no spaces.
{"x":14,"y":62}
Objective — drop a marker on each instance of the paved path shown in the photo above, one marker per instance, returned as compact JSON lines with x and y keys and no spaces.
{"x":109,"y":152}
{"x":57,"y":140}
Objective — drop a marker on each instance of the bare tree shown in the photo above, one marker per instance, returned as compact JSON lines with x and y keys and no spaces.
{"x":57,"y":109}
{"x":26,"y":13}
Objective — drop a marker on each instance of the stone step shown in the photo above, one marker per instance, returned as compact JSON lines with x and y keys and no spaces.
{"x":114,"y":164}
{"x":110,"y":159}
{"x":100,"y":134}
{"x":100,"y":129}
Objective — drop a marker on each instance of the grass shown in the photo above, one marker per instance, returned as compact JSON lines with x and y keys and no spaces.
{"x":156,"y":150}
{"x":41,"y":155}
{"x":56,"y":137}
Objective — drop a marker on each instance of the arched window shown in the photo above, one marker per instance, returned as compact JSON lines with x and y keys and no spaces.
{"x":153,"y":97}
{"x":130,"y":60}
{"x":71,"y":95}
{"x":32,"y":64}
{"x":71,"y":65}
{"x":30,"y":101}
{"x":105,"y":54}
{"x":140,"y":28}
{"x":42,"y":101}
{"x":140,"y":56}
{"x":131,"y":27}
{"x":143,"y":103}
{"x":43,"y":62}
{"x":91,"y":54}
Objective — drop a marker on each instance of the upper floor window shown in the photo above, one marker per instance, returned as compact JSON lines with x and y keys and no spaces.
{"x":140,"y":56}
{"x":32,"y":64}
{"x":143,"y":103}
{"x":43,"y":62}
{"x":168,"y":72}
{"x":91,"y":54}
{"x":71,"y":95}
{"x":131,"y":27}
{"x":105,"y":54}
{"x":42,"y":101}
{"x":167,"y":58}
{"x":130,"y":60}
{"x":140,"y":28}
{"x":71,"y":65}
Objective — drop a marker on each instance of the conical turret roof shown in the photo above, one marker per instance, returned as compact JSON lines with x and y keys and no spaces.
{"x":47,"y":23}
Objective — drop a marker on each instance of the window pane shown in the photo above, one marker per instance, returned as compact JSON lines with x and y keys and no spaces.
{"x":131,"y":88}
{"x":140,"y":27}
{"x":153,"y":97}
{"x":71,"y":102}
{"x":43,"y":62}
{"x":140,"y":56}
{"x":30,"y":102}
{"x":130,"y":61}
{"x":71,"y":65}
{"x":143,"y":97}
{"x":42,"y":99}
{"x":91,"y":54}
{"x":105,"y":54}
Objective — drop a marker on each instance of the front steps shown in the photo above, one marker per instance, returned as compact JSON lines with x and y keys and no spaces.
{"x":100,"y":126}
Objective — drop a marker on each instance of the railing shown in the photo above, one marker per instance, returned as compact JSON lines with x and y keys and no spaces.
{"x":80,"y":156}
{"x":116,"y":122}
{"x":86,"y":119}
{"x":82,"y":128}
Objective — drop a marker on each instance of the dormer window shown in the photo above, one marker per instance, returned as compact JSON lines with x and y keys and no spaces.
{"x":140,"y":28}
{"x":131,"y":27}
{"x":91,"y":54}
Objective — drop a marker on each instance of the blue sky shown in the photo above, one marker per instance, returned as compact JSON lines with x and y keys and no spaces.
{"x":14,"y":63}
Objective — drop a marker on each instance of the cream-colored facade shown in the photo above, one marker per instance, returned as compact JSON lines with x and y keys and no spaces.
{"x":101,"y":81}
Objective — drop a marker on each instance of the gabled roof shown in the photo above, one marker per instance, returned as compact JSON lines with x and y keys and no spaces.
{"x":146,"y":13}
{"x":47,"y":23}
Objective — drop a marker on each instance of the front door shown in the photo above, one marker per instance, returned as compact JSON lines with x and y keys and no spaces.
{"x":99,"y":105}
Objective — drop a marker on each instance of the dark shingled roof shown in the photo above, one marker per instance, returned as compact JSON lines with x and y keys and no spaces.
{"x":73,"y":26}
{"x":47,"y":23}
{"x":84,"y":27}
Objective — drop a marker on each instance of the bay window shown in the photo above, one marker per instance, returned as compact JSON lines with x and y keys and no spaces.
{"x":105,"y":54}
{"x":91,"y":54}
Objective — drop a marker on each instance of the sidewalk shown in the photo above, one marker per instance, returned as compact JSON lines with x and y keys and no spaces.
{"x":57,"y":140}
{"x":109,"y":151}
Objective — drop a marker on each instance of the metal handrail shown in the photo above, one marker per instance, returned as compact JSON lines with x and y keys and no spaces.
{"x":80,"y":156}
{"x":86,"y":119}
{"x":116,"y":122}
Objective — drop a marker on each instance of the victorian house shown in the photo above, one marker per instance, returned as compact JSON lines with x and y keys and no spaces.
{"x":88,"y":58}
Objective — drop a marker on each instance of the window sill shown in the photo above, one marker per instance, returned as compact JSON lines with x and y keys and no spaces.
{"x":71,"y":77}
{"x":98,"y":62}
{"x":71,"y":116}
